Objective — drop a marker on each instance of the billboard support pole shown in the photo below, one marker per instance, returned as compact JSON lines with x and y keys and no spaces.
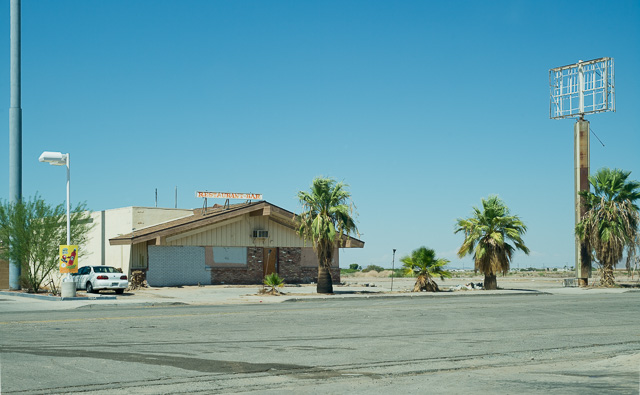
{"x":575,"y":90}
{"x":581,"y":183}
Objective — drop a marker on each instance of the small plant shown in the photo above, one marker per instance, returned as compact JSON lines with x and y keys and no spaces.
{"x":424,"y":264}
{"x":273,"y":281}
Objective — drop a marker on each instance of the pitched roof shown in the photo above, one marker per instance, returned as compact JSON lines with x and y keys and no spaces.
{"x":206,"y":216}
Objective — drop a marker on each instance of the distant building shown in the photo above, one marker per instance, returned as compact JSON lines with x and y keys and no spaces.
{"x":237,"y":244}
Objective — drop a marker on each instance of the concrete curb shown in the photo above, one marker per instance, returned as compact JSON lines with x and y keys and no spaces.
{"x":140,"y":305}
{"x":418,"y":295}
{"x":56,"y":298}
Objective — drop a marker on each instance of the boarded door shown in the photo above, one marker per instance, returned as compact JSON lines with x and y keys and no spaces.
{"x":270,"y":261}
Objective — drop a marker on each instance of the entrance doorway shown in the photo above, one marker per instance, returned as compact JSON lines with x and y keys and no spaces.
{"x":270,"y":261}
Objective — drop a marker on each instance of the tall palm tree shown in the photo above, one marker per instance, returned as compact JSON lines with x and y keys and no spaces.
{"x":610,"y":224}
{"x":426,"y":266}
{"x":326,"y":221}
{"x":487,"y":234}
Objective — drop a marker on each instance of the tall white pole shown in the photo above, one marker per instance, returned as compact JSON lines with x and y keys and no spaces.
{"x":68,"y":205}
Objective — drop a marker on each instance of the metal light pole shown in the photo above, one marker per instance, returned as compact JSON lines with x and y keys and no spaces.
{"x":68,"y":287}
{"x":393,"y":266}
{"x":60,"y":159}
{"x":15,"y":130}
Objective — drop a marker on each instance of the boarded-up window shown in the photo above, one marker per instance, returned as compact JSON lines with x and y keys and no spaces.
{"x":229,"y":257}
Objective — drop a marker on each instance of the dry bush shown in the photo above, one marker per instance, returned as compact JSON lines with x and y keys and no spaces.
{"x":137,"y":280}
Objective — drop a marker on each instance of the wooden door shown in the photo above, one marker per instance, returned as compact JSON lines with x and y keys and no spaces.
{"x":270,"y":261}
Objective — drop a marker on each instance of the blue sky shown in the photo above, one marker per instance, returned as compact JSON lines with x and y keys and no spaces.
{"x":423,"y":108}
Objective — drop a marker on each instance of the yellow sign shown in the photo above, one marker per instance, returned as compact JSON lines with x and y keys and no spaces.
{"x":68,"y":259}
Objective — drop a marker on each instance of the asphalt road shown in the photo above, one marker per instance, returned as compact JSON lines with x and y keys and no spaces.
{"x":493,"y":344}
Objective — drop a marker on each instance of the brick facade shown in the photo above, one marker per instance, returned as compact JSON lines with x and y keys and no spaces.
{"x":288,"y":267}
{"x":251,"y":274}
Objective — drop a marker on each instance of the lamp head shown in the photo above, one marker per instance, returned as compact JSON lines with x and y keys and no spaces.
{"x":55,"y":158}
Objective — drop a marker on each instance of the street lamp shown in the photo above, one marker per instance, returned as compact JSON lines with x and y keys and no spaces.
{"x":68,"y":288}
{"x":60,"y":159}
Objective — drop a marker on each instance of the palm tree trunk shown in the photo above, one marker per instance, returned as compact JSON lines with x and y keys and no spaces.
{"x":490,"y":281}
{"x":325,"y":283}
{"x":607,"y":280}
{"x":424,"y":283}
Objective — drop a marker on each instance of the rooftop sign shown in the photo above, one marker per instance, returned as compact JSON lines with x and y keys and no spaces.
{"x":229,"y":195}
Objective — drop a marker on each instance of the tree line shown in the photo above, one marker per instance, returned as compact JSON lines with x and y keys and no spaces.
{"x":492,"y":234}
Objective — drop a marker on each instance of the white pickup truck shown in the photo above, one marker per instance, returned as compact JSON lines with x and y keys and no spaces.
{"x":95,"y":278}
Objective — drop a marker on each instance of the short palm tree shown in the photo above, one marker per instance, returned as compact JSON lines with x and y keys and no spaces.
{"x":426,"y":266}
{"x":487,"y":234}
{"x":273,"y":281}
{"x":610,"y":223}
{"x":326,"y":221}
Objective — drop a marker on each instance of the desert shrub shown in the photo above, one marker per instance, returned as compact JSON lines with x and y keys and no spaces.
{"x":373,"y":267}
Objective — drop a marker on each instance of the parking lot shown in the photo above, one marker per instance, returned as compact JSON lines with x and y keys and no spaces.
{"x":513,"y":341}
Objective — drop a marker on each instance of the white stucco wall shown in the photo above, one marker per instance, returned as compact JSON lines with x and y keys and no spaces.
{"x":115,"y":222}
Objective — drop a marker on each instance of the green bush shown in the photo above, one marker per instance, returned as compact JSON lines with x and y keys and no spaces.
{"x":373,"y":267}
{"x":402,"y":273}
{"x":355,"y":267}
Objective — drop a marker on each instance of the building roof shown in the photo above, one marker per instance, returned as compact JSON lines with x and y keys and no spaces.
{"x":203,"y":217}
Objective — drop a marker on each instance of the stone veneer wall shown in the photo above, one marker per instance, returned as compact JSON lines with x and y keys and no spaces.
{"x":289,"y":269}
{"x":251,"y":274}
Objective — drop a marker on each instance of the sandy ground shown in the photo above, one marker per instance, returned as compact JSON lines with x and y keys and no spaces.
{"x":532,"y":280}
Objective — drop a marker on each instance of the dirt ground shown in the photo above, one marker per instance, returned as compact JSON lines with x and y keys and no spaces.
{"x":523,"y":280}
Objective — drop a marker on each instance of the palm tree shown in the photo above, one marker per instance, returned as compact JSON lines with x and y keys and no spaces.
{"x":273,"y":281}
{"x":326,"y":221}
{"x":426,"y":266}
{"x":610,"y":223}
{"x":486,"y":235}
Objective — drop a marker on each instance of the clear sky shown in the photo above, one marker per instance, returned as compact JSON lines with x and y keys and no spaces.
{"x":422,"y":107}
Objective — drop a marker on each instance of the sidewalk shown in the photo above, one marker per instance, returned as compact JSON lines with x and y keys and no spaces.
{"x":362,"y":287}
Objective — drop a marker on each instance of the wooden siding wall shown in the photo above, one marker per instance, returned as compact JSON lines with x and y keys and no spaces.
{"x":139,"y":256}
{"x":238,"y":233}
